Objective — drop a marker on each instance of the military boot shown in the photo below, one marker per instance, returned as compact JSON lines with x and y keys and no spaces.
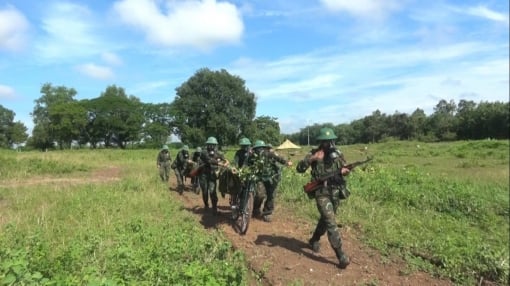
{"x":314,"y":245}
{"x":343,"y":259}
{"x":215,"y":210}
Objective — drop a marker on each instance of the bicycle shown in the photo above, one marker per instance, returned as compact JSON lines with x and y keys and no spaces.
{"x":241,"y":205}
{"x":241,"y":189}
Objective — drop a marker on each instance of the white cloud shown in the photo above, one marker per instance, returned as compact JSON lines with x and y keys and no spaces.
{"x":70,"y":32}
{"x":95,"y":71}
{"x":13,"y":28}
{"x":374,"y":9}
{"x":6,"y":92}
{"x":199,"y":24}
{"x":111,"y":58}
{"x":484,"y":12}
{"x":351,"y":84}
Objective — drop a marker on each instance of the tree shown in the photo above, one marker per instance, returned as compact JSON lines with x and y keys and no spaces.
{"x":399,"y":126}
{"x":466,"y":120}
{"x":443,"y":120}
{"x":6,"y":118}
{"x":417,"y":122}
{"x":158,"y":123}
{"x":67,"y":122}
{"x":51,"y":96}
{"x":11,"y":132}
{"x":492,"y":120}
{"x":213,"y":103}
{"x":17,"y":133}
{"x":266,"y":129}
{"x":375,"y":127}
{"x":346,"y":134}
{"x":115,"y":117}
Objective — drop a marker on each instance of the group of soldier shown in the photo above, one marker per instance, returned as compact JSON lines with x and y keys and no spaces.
{"x":325,"y":159}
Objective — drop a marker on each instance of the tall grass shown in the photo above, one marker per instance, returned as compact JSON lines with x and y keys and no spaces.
{"x":444,"y":206}
{"x":114,"y":233}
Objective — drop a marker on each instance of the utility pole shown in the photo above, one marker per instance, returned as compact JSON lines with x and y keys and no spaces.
{"x":308,"y":131}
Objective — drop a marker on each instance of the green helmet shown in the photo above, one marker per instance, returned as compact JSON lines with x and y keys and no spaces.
{"x":244,"y":141}
{"x":199,"y":149}
{"x":259,"y":143}
{"x":185,"y":148}
{"x":326,"y":133}
{"x":211,"y":140}
{"x":165,"y":147}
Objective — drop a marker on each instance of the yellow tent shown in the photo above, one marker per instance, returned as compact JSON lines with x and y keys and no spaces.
{"x":287,"y":144}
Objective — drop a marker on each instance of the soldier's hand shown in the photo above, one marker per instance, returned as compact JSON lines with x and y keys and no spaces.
{"x":345,"y":171}
{"x":319,"y":155}
{"x":289,"y":163}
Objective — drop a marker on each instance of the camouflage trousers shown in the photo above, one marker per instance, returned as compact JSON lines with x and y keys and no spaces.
{"x":327,"y":204}
{"x":264,"y":190}
{"x":179,"y":174}
{"x":164,"y":171}
{"x":208,"y":185}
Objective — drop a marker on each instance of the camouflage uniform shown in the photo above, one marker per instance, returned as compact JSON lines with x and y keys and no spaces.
{"x":196,"y":161}
{"x":210,"y":158}
{"x":327,"y":196}
{"x":163,"y":162}
{"x":181,"y":167}
{"x":240,"y":160}
{"x":242,"y":154}
{"x":269,"y":178}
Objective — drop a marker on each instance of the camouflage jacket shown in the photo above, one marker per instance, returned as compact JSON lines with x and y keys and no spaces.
{"x":240,"y":157}
{"x":332,"y":162}
{"x":264,"y":164}
{"x":210,"y":160}
{"x":181,"y":160}
{"x":163,"y":158}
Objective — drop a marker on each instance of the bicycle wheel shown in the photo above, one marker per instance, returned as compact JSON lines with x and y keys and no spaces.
{"x":234,"y":207}
{"x":246,"y":212}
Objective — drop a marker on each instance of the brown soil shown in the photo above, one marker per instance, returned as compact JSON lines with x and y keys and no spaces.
{"x":278,"y":252}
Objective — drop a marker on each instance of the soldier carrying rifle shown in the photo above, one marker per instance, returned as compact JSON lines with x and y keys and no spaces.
{"x":326,"y":159}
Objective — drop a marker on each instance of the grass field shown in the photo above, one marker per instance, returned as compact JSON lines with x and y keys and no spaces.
{"x":444,"y":207}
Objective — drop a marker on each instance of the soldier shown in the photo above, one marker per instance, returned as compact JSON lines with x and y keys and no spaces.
{"x":181,"y":166}
{"x":324,"y":160}
{"x":240,"y":160}
{"x":196,"y":161}
{"x":269,"y":179}
{"x":211,"y":159}
{"x":243,"y":153}
{"x":163,"y":162}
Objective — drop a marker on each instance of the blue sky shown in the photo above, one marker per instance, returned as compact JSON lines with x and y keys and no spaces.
{"x":306,"y":61}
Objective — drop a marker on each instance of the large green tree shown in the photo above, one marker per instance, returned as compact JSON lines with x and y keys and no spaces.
{"x":265,"y":128}
{"x":213,"y":103}
{"x":67,"y":122}
{"x":115,"y":117}
{"x":443,"y":120}
{"x":11,"y":132}
{"x":51,"y":96}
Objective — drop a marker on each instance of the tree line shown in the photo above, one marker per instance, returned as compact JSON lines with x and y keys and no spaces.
{"x":216,"y":103}
{"x":466,"y":120}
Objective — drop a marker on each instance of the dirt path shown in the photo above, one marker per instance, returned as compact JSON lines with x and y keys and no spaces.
{"x":279,"y":254}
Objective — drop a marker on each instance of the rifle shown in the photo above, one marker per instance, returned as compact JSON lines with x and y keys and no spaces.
{"x":313,"y":185}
